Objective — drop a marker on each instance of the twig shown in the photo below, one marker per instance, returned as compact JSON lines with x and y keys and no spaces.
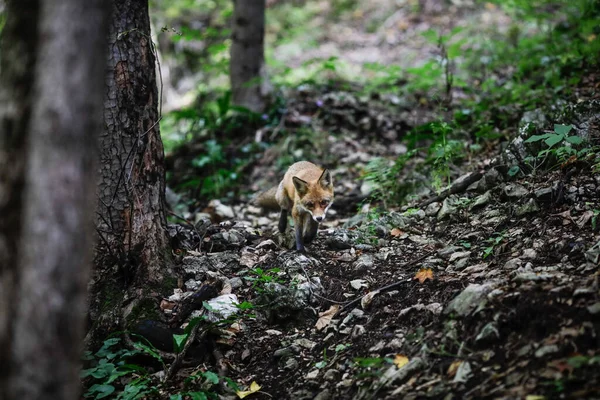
{"x":456,"y":188}
{"x":179,"y":358}
{"x":391,"y":285}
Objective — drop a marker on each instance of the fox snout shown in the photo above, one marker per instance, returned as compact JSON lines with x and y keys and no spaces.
{"x":318,"y":218}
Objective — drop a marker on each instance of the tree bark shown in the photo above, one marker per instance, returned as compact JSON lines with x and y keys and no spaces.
{"x":19,"y":51}
{"x":249,"y":85}
{"x":131,"y":219}
{"x":52,"y":66}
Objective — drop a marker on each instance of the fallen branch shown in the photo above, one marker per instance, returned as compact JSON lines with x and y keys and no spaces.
{"x":181,"y":355}
{"x":391,"y":285}
{"x":458,"y":187}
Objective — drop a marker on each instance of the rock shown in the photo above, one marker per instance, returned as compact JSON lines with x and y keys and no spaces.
{"x":290,"y":364}
{"x":358,"y":330}
{"x":294,"y":262}
{"x":463,"y":373}
{"x":544,"y":194}
{"x":489,"y":331}
{"x":356,"y":220}
{"x":306,"y":343}
{"x":489,"y":180}
{"x":341,"y":240}
{"x":593,"y":254}
{"x":446,"y":252}
{"x":393,"y":373}
{"x":331,"y":375}
{"x":325,"y":394}
{"x":529,"y":254}
{"x":459,"y":265}
{"x":459,"y":254}
{"x":471,"y":298}
{"x":433,"y":209}
{"x":449,"y":207}
{"x":236,"y":282}
{"x":312,"y":374}
{"x":530,"y":207}
{"x":364,"y":262}
{"x":515,"y":191}
{"x":222,"y":210}
{"x":532,"y":277}
{"x":594,"y":308}
{"x":513,"y":263}
{"x":545,"y":350}
{"x":482,"y":200}
{"x":222,"y":307}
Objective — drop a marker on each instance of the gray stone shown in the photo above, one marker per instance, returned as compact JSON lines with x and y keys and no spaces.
{"x":449,"y":207}
{"x":544,"y":194}
{"x":364,"y":262}
{"x":545,"y":350}
{"x":514,"y":190}
{"x":236,"y":282}
{"x":594,"y":308}
{"x":446,"y":252}
{"x":530,"y":254}
{"x":489,"y":331}
{"x":471,"y":298}
{"x":513,"y":263}
{"x":331,"y":375}
{"x":290,"y":364}
{"x":433,"y":209}
{"x":482,"y":199}
{"x":529,"y":207}
{"x":325,"y":394}
{"x":459,"y":255}
{"x":463,"y":373}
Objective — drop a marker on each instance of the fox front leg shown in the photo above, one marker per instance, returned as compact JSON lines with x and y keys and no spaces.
{"x":299,"y":239}
{"x":283,"y":219}
{"x":310,"y":230}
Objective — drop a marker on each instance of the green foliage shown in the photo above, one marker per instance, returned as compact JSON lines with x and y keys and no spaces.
{"x":260,"y":278}
{"x":109,"y":364}
{"x":384,"y":176}
{"x":492,"y":242}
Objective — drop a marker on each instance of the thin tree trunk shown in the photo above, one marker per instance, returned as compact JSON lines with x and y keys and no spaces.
{"x":60,"y":119}
{"x":17,"y":62}
{"x":131,"y":219}
{"x":249,"y":84}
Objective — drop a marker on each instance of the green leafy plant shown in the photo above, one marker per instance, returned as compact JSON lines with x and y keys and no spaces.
{"x":492,"y":243}
{"x":559,"y":143}
{"x":110,"y":363}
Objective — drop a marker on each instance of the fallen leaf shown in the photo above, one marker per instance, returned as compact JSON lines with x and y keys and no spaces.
{"x":326,"y":316}
{"x":167,"y":305}
{"x":194,"y":253}
{"x":453,"y":368}
{"x":396,"y":232}
{"x":400,"y":360}
{"x":424,"y":274}
{"x":368,"y":298}
{"x":535,"y":397}
{"x":254,"y":387}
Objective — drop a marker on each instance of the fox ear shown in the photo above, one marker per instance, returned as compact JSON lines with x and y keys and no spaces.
{"x":300,"y":185}
{"x":325,"y":179}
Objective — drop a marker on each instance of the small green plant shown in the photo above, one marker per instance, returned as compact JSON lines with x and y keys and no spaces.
{"x":559,"y":143}
{"x":492,"y":243}
{"x":110,"y":363}
{"x":260,"y":278}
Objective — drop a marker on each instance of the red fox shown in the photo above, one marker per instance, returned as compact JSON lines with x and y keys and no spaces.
{"x":307,"y":192}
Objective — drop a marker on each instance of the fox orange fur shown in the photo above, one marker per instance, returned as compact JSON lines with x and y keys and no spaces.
{"x":306,"y":192}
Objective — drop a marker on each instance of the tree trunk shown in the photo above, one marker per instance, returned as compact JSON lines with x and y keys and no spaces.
{"x":52,"y":108}
{"x":19,"y":51}
{"x":131,"y":221}
{"x":249,"y":85}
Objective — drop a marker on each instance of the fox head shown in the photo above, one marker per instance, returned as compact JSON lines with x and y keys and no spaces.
{"x":315,"y":197}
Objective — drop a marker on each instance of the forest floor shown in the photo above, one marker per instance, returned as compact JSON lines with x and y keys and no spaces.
{"x":485,"y":288}
{"x":489,"y":292}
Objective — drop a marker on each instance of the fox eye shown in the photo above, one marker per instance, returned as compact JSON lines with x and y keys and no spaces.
{"x":324,"y":203}
{"x":310,"y":204}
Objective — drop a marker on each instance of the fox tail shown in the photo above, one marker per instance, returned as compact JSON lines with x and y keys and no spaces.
{"x":267,"y":200}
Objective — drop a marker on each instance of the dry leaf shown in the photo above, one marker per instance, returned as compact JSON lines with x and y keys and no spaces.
{"x":254,"y":387}
{"x":194,"y":253}
{"x":453,"y":368}
{"x":368,"y":298}
{"x":424,"y":274}
{"x":535,"y":397}
{"x":326,"y":316}
{"x":166,"y":305}
{"x":396,"y":232}
{"x":400,"y":360}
